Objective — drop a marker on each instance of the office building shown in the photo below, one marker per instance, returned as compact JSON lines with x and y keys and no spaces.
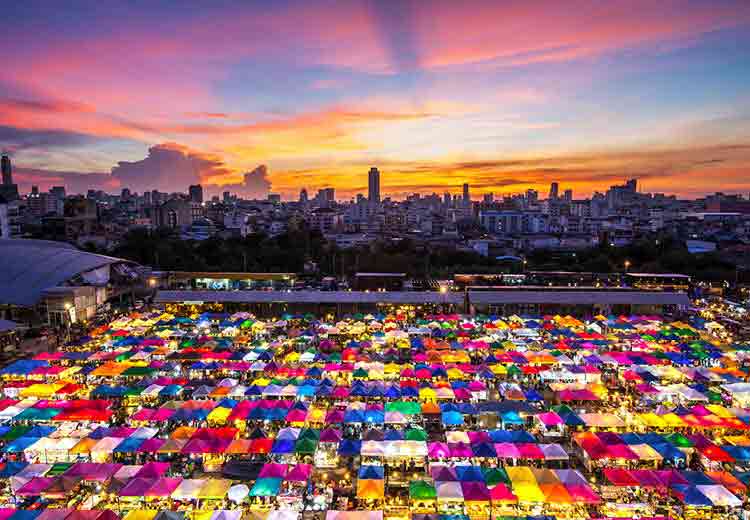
{"x":8,"y":190}
{"x":196,"y":193}
{"x":553,"y":190}
{"x":467,"y":197}
{"x":373,"y":185}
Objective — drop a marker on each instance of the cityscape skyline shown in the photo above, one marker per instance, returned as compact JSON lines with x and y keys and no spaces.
{"x":313,"y":94}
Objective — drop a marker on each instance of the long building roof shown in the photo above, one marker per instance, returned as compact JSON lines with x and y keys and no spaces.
{"x":396,"y":297}
{"x":28,"y":267}
{"x":540,"y":296}
{"x":568,"y":297}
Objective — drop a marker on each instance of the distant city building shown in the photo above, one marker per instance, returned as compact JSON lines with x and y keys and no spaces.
{"x":373,"y":185}
{"x":553,"y":190}
{"x":195,"y":193}
{"x":325,"y":197}
{"x":4,"y":219}
{"x":568,"y":196}
{"x":8,"y":190}
{"x":7,"y":170}
{"x":274,"y":198}
{"x":303,"y":196}
{"x":467,"y":196}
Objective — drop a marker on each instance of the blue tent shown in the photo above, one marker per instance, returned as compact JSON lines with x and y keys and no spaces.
{"x":283,"y":446}
{"x":371,"y":472}
{"x":469,"y":474}
{"x":452,"y":418}
{"x":349,"y":448}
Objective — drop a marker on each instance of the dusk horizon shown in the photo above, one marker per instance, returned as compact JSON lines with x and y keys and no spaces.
{"x":506,"y":97}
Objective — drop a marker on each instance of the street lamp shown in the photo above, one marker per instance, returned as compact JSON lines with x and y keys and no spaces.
{"x":627,"y":265}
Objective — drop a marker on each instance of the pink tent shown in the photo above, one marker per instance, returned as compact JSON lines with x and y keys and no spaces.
{"x":550,"y":419}
{"x":475,"y":492}
{"x":437,"y":450}
{"x":507,"y":450}
{"x":271,"y":470}
{"x":501,"y":494}
{"x":35,"y":486}
{"x":163,"y":487}
{"x":299,"y":473}
{"x":153,"y":470}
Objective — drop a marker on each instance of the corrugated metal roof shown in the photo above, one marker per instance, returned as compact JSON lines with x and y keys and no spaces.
{"x":312,"y":297}
{"x":567,"y":297}
{"x":541,"y":296}
{"x":31,"y":266}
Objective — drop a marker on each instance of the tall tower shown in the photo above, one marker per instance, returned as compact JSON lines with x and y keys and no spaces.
{"x":7,"y":170}
{"x":553,"y":190}
{"x":467,"y":197}
{"x":373,"y":185}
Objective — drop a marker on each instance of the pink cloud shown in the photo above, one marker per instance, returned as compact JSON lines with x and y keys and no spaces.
{"x":524,"y":32}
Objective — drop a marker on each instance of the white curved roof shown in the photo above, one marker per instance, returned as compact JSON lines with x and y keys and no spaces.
{"x":31,"y":266}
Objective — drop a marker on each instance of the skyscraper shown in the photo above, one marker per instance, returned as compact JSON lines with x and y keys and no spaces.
{"x":7,"y":170}
{"x":467,"y":197}
{"x":8,"y":190}
{"x":196,"y":193}
{"x":553,"y":190}
{"x":303,"y":196}
{"x":568,"y":195}
{"x":373,"y":185}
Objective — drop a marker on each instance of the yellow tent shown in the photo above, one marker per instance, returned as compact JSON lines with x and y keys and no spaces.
{"x":141,"y":514}
{"x":370,"y":489}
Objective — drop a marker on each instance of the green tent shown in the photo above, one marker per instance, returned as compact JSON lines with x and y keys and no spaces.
{"x":360,"y":372}
{"x":58,"y":469}
{"x":309,"y":434}
{"x":266,"y":487}
{"x":679,"y":440}
{"x":305,"y":447}
{"x":15,"y":432}
{"x":405,"y":407}
{"x":494,"y":476}
{"x":513,"y":370}
{"x":415,"y":434}
{"x":139,"y":372}
{"x":421,"y":490}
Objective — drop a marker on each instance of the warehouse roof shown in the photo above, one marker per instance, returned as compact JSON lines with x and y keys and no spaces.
{"x":396,"y":297}
{"x":579,"y":297}
{"x":31,"y":266}
{"x":540,"y":296}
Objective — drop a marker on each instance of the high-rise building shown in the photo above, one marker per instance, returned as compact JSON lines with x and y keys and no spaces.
{"x":326,"y":196}
{"x":553,"y":190}
{"x":8,"y":190}
{"x":568,"y":195}
{"x":532,"y":196}
{"x":447,"y":198}
{"x":467,"y":197}
{"x":373,"y":185}
{"x":303,"y":196}
{"x":195,"y":191}
{"x":7,"y":170}
{"x":489,"y":198}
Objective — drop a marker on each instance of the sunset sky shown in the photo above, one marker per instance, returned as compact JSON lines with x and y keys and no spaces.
{"x":506,"y":95}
